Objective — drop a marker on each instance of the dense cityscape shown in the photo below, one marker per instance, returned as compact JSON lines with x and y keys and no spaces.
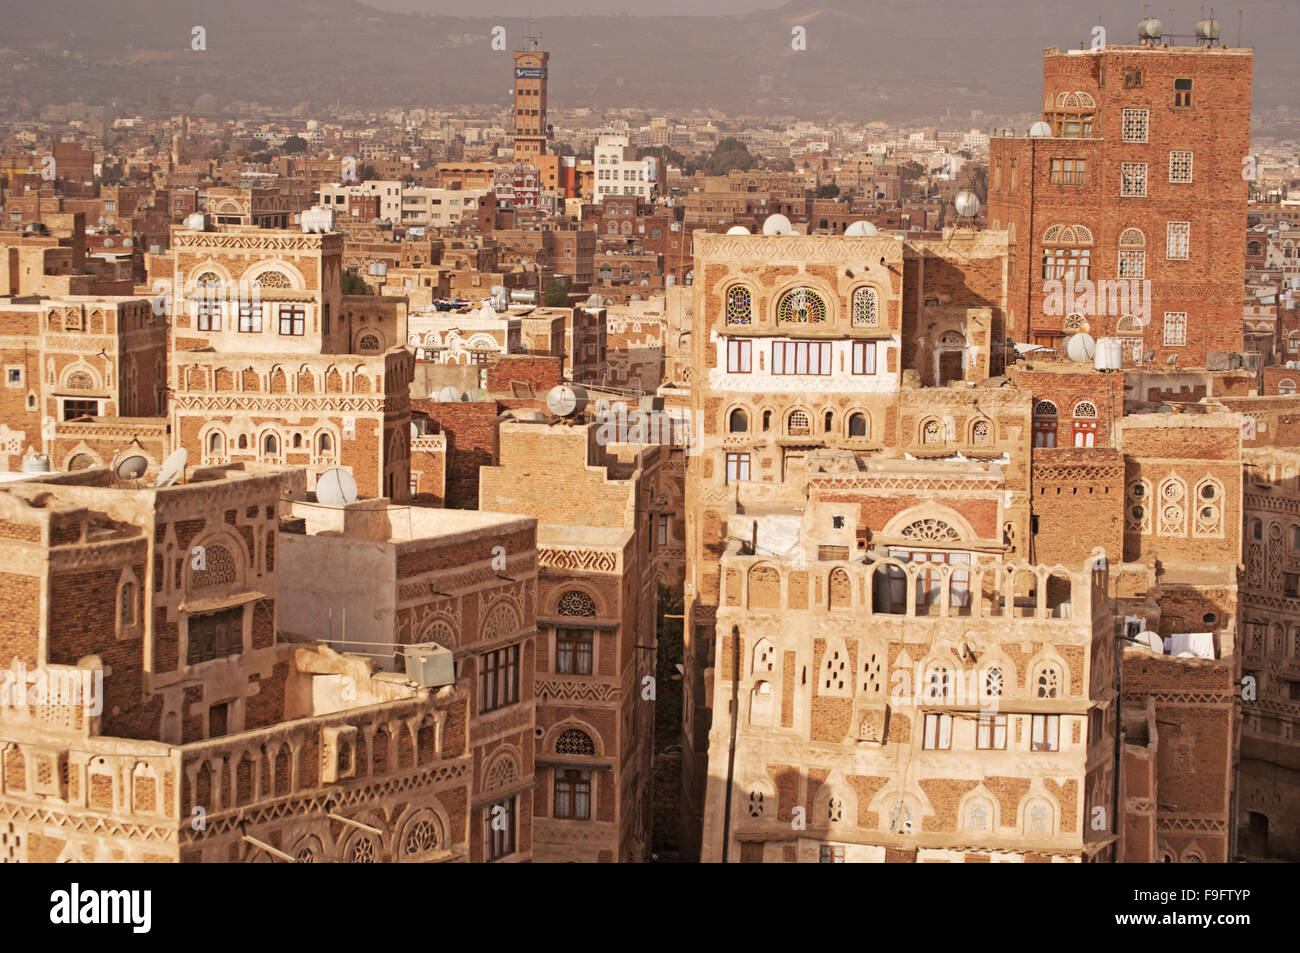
{"x":613,"y":483}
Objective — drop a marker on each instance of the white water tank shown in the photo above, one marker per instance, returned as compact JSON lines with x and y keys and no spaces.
{"x":1110,"y":355}
{"x":317,"y":221}
{"x":36,"y":463}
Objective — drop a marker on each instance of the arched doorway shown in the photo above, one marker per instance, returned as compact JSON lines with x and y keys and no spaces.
{"x":950,"y":358}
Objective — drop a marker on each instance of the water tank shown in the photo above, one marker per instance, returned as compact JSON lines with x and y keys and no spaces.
{"x":1208,"y":29}
{"x":967,"y":204}
{"x":1150,"y":28}
{"x":198,"y":221}
{"x":317,"y":221}
{"x":1110,"y":355}
{"x":523,"y":297}
{"x":36,"y":463}
{"x":430,"y":665}
{"x":566,"y":400}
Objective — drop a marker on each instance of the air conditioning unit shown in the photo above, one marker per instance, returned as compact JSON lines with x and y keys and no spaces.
{"x":430,"y":665}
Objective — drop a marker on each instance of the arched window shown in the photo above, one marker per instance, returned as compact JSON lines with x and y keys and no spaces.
{"x":422,"y":838}
{"x":865,"y":314}
{"x":1172,"y":502}
{"x":126,"y":604}
{"x":737,"y":421}
{"x":324,"y":444}
{"x":1073,"y":322}
{"x":272,"y":279}
{"x":297,"y":441}
{"x":1128,"y":325}
{"x":242,"y":443}
{"x":979,"y":432}
{"x":801,"y":306}
{"x":857,"y":425}
{"x":1285,"y":386}
{"x":767,"y":420}
{"x":575,"y":741}
{"x":931,"y":432}
{"x":740,"y":304}
{"x":270,"y":445}
{"x":1067,"y":252}
{"x":1209,"y":508}
{"x":929,"y":530}
{"x":829,"y":421}
{"x":1085,"y":408}
{"x":216,"y":442}
{"x":368,"y":342}
{"x":1132,"y":254}
{"x":1044,"y":424}
{"x":1048,"y":682}
{"x":798,"y":424}
{"x":993,"y":682}
{"x":576,"y":603}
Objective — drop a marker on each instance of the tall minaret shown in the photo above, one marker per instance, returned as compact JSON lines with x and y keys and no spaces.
{"x":530,"y":100}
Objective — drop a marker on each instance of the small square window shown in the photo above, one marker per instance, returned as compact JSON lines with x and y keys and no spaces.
{"x":14,"y":376}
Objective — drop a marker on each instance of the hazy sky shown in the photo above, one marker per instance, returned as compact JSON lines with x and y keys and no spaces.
{"x":550,"y":8}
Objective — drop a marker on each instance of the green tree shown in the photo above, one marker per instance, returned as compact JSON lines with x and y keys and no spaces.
{"x":828,"y":191}
{"x":294,"y":144}
{"x":353,"y":284}
{"x":728,"y":155}
{"x":556,"y":295}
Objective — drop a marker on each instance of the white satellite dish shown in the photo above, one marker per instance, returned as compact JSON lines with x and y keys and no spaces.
{"x":566,"y":400}
{"x":861,"y":230}
{"x":777,"y":224}
{"x":1153,"y":641}
{"x":737,"y":230}
{"x":1080,"y":347}
{"x":448,"y":395}
{"x":967,"y":204}
{"x":173,"y":468}
{"x":336,"y":487}
{"x":1040,"y":130}
{"x":131,"y":466}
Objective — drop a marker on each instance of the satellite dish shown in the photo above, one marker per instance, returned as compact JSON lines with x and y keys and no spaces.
{"x":173,"y":467}
{"x":1040,"y":130}
{"x":1148,"y":357}
{"x":566,"y":400}
{"x":1154,"y":642}
{"x":861,"y":230}
{"x":737,"y":230}
{"x":448,"y":395}
{"x":131,"y":466}
{"x":336,"y":487}
{"x":1080,"y":347}
{"x":967,"y":204}
{"x":777,"y":224}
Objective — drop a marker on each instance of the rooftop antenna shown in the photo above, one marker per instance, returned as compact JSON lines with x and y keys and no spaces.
{"x":1238,"y":27}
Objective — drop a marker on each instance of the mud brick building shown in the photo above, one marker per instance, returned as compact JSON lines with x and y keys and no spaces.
{"x":969,"y":720}
{"x":1267,"y":822}
{"x":262,"y":364}
{"x":1138,"y":176}
{"x":71,"y":356}
{"x":596,"y":632}
{"x":371,"y":578}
